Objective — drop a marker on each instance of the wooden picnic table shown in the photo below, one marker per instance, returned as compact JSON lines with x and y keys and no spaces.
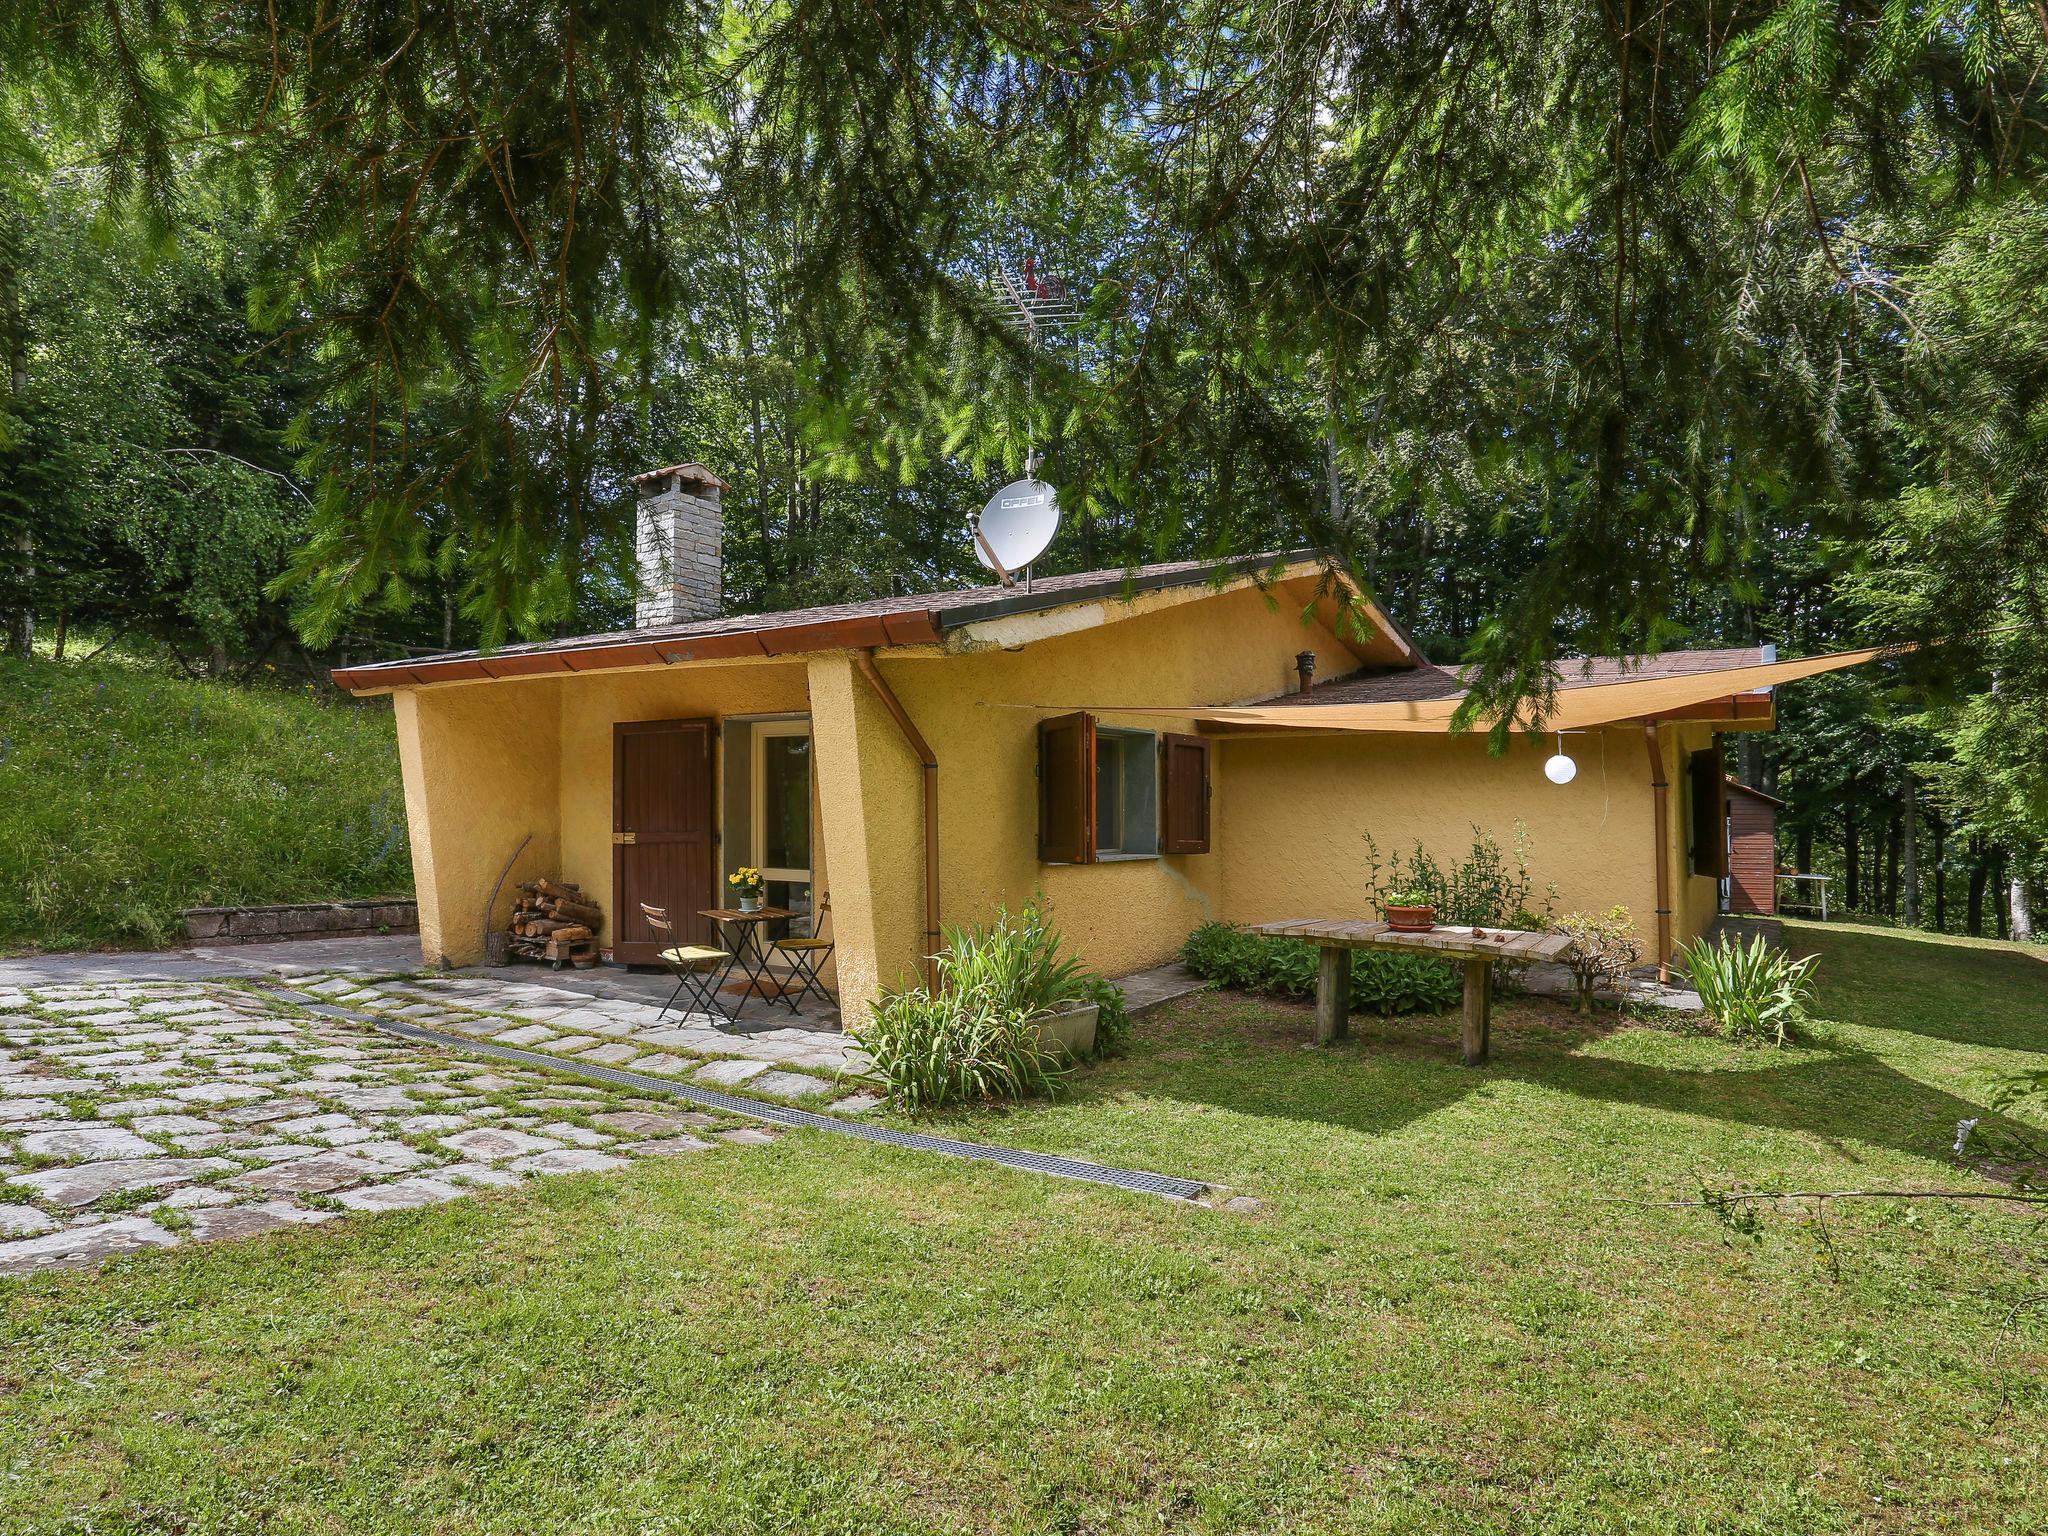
{"x":1477,"y":947}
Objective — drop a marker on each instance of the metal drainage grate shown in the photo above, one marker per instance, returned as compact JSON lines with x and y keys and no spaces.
{"x":778,"y":1114}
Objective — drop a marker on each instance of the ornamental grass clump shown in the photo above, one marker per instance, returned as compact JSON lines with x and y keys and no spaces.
{"x":1757,"y":994}
{"x":976,"y":1035}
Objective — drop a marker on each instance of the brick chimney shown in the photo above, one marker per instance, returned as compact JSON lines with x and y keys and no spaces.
{"x":678,"y":546}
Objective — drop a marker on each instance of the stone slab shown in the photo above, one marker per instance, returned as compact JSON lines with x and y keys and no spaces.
{"x":318,"y":1175}
{"x":400,"y":1194}
{"x":89,"y":1144}
{"x":789,"y":1085}
{"x":76,"y":1246}
{"x":730,"y":1074}
{"x":253,"y":1218}
{"x":486,"y":1144}
{"x":83,"y":1183}
{"x":568,"y":1160}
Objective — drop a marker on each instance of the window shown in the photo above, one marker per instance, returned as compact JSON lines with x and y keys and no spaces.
{"x":1109,"y":792}
{"x":780,"y":808}
{"x":1126,"y":793}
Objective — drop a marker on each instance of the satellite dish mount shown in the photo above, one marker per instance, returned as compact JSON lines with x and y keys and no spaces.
{"x":1016,"y":526}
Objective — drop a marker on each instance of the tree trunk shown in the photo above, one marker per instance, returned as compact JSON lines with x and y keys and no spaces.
{"x":1804,"y":853}
{"x":1852,"y":865}
{"x":1999,"y":893}
{"x":1909,"y":834}
{"x":2022,"y":910}
{"x":1891,"y":867}
{"x":63,"y":627}
{"x":1940,"y":875}
{"x":1974,"y":925}
{"x":21,"y":625}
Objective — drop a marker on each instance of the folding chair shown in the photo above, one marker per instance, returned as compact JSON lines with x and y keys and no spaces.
{"x":807,"y":959}
{"x":697,"y":968}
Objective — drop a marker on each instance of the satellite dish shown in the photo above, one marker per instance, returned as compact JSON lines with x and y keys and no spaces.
{"x":1016,"y":526}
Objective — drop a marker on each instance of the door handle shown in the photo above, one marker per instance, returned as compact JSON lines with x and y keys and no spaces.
{"x":622,"y":838}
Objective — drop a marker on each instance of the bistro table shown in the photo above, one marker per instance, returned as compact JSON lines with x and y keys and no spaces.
{"x":739,"y":934}
{"x":1477,"y":947}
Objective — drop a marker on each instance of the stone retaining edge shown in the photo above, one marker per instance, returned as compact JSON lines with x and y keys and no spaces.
{"x":300,"y":920}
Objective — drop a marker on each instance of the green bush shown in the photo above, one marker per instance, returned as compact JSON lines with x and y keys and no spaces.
{"x":1383,"y":981}
{"x":975,"y":1036}
{"x":127,"y":793}
{"x":1757,"y":994}
{"x":1483,"y":889}
{"x":1113,"y":1028}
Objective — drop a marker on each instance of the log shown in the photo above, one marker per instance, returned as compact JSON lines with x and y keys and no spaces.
{"x":580,"y":912}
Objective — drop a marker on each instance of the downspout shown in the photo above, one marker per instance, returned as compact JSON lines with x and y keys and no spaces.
{"x":1660,"y":799}
{"x":865,"y":660}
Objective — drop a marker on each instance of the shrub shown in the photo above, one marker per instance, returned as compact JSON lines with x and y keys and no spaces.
{"x":1484,"y":889}
{"x":1603,"y":951}
{"x":1228,"y":956}
{"x":1757,"y":994}
{"x":1113,"y":1028}
{"x":976,"y":1036}
{"x":1383,"y":981}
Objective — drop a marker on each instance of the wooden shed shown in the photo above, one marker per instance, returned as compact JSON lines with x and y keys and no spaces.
{"x":1752,"y":883}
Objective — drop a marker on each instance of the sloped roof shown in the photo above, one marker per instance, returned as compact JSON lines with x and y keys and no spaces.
{"x":1598,"y":691}
{"x":913,"y":619}
{"x":1432,"y":682}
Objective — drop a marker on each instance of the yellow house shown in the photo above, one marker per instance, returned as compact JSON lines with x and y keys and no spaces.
{"x":1143,"y":746}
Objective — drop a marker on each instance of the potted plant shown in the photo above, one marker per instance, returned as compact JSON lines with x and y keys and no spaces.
{"x":1410,"y":911}
{"x":749,"y":884}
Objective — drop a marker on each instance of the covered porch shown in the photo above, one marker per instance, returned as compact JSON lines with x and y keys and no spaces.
{"x":650,"y":788}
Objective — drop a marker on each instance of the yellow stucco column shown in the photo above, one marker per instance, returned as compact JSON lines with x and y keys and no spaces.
{"x":482,"y":770}
{"x":871,"y":825}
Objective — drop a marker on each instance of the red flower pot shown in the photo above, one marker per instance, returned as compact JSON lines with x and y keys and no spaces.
{"x":1411,"y":919}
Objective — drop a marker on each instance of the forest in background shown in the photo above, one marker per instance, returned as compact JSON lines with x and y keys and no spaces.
{"x":335,"y":330}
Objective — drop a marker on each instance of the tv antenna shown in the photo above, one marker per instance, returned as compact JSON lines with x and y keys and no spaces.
{"x":1020,"y":520}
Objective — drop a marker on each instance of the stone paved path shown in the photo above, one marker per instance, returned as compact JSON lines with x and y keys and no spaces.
{"x":615,"y":1032}
{"x":142,"y":1114}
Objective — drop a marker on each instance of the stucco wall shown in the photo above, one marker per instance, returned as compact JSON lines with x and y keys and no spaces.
{"x":980,"y":713}
{"x":482,"y":765}
{"x":1294,"y":811}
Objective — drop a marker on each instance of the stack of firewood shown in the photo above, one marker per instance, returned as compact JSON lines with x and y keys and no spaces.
{"x":553,"y":920}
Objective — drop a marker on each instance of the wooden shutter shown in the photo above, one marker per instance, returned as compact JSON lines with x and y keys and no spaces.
{"x":1709,"y":813}
{"x":1183,"y":794}
{"x":1066,"y":789}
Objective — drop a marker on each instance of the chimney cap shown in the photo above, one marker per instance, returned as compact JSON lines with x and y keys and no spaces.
{"x":691,"y":472}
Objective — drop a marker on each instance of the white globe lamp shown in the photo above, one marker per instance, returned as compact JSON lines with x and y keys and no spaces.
{"x":1560,"y":769}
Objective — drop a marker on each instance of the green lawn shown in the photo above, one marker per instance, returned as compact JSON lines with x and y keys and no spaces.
{"x":127,"y":793}
{"x":1441,"y":1320}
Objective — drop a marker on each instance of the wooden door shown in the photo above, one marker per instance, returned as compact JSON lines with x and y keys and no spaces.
{"x":662,"y":850}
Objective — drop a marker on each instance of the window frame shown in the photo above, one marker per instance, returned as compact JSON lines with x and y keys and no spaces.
{"x":758,"y":799}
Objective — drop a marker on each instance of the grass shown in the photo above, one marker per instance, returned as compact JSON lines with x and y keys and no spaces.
{"x":127,"y":793}
{"x":1440,"y":1320}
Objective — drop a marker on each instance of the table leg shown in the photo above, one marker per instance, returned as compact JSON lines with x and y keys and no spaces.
{"x":1333,"y":995}
{"x":1478,"y":1010}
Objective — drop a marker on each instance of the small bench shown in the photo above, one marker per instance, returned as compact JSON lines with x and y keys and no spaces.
{"x":1477,"y":947}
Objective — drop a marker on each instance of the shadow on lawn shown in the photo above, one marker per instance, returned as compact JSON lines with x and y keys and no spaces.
{"x":1250,"y":1056}
{"x":1966,"y":994}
